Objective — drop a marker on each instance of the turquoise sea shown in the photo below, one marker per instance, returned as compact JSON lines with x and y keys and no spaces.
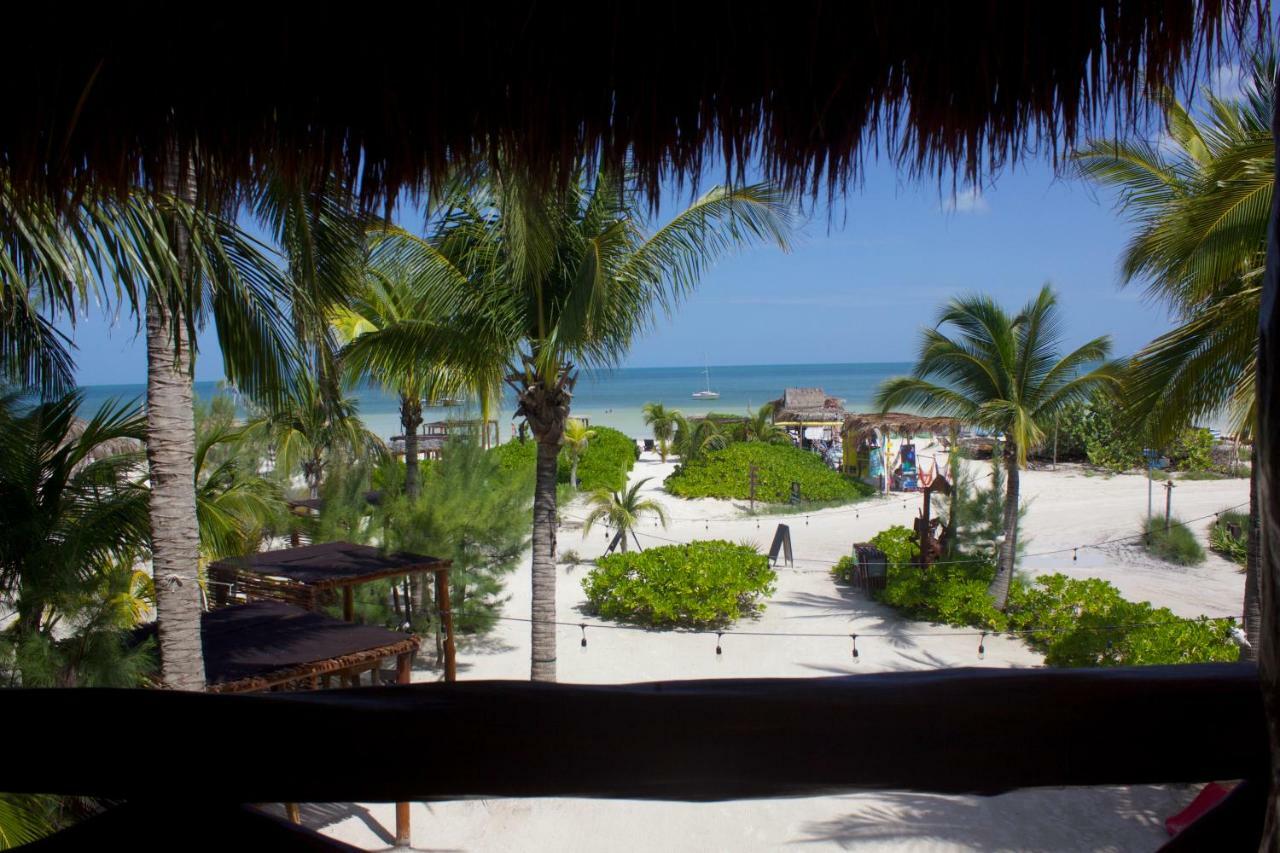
{"x":615,"y":397}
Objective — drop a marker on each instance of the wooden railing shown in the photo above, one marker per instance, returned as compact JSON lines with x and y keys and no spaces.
{"x":970,"y":730}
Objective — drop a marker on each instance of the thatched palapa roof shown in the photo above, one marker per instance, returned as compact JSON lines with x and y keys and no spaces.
{"x":898,"y":423}
{"x":105,"y":92}
{"x":807,"y":404}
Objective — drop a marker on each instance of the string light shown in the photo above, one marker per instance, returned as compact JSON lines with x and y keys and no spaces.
{"x":982,"y":646}
{"x":719,"y":650}
{"x":1074,"y":553}
{"x":854,"y":639}
{"x":583,"y":626}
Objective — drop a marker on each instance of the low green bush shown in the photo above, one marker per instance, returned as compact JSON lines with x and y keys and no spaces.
{"x":1087,"y":623}
{"x":953,"y":592}
{"x":1177,"y":545}
{"x":703,"y":584}
{"x":1192,"y":450}
{"x":723,"y":474}
{"x":605,"y":463}
{"x":1074,"y":623}
{"x":1221,"y":539}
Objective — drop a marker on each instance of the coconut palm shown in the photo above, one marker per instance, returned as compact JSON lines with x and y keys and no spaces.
{"x":75,"y":521}
{"x":576,"y":438}
{"x":306,"y":432}
{"x":621,"y":511}
{"x":535,"y":282}
{"x":663,"y":423}
{"x":759,"y":426}
{"x":375,"y":312}
{"x":235,"y":505}
{"x":1201,"y":202}
{"x":1004,"y":373}
{"x":696,"y":437}
{"x":176,"y":264}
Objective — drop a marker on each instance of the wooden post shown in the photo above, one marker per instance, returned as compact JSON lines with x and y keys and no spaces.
{"x":404,"y":671}
{"x":751,"y":478}
{"x":348,"y":604}
{"x":445,"y":609}
{"x":1168,"y":503}
{"x":293,"y":812}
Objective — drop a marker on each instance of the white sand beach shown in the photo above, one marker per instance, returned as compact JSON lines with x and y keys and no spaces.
{"x":1067,"y":508}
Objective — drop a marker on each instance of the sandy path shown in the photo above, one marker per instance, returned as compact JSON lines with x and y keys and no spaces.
{"x":1067,"y":509}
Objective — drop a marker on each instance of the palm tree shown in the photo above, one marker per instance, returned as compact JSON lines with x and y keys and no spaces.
{"x":235,"y":505}
{"x":175,"y":263}
{"x":1201,"y":202}
{"x":307,"y":432}
{"x":663,"y":423}
{"x":621,"y":511}
{"x":1004,"y":373}
{"x":759,"y":426}
{"x":374,"y":314}
{"x":75,"y":521}
{"x":576,"y":438}
{"x":530,"y":283}
{"x":697,"y":437}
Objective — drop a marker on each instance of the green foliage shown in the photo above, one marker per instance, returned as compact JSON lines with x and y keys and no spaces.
{"x":1086,"y":623}
{"x":1072,"y":622}
{"x":75,"y":524}
{"x":1192,"y":450}
{"x":954,"y":593}
{"x":724,"y":474}
{"x":705,"y":584}
{"x":1178,"y":545}
{"x":605,"y":463}
{"x":1234,"y":548}
{"x":1109,"y":441}
{"x":697,"y":437}
{"x":469,"y":509}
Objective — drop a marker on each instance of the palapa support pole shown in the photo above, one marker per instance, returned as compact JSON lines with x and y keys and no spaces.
{"x":348,"y":604}
{"x":446,"y":619}
{"x":293,"y":812}
{"x":404,"y":672}
{"x":1168,"y":503}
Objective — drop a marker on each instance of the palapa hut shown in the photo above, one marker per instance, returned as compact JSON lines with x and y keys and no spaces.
{"x":879,"y":445}
{"x":436,"y":434}
{"x":809,"y":415}
{"x":103,"y":97}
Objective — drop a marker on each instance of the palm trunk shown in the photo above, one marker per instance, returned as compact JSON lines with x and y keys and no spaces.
{"x":999,"y":588}
{"x":175,"y":537}
{"x":573,"y":472}
{"x":1252,"y":598}
{"x":410,"y":421}
{"x":623,"y":541}
{"x":544,"y":564}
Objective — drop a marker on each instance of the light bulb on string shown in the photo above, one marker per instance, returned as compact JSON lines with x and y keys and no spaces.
{"x":853,"y":638}
{"x":583,"y":626}
{"x":982,"y":646}
{"x":1074,"y":553}
{"x":719,"y":650}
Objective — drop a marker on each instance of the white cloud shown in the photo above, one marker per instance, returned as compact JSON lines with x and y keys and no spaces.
{"x":1229,"y":82}
{"x":966,"y":201}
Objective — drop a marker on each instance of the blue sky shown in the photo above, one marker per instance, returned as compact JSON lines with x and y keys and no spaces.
{"x":858,"y":285}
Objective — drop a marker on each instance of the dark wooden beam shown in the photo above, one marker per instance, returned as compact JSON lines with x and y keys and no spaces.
{"x":968,"y":730}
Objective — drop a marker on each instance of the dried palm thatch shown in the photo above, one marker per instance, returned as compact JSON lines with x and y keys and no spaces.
{"x":122,"y":446}
{"x":898,"y":423}
{"x":797,"y":405}
{"x":116,"y":91}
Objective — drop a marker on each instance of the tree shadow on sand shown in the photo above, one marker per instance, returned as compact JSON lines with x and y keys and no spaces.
{"x":1045,"y":819}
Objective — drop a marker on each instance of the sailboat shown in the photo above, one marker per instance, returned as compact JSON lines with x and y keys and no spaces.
{"x":706,"y":393}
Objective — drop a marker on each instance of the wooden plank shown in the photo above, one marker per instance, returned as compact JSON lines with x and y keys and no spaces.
{"x":446,"y":618}
{"x":967,"y":730}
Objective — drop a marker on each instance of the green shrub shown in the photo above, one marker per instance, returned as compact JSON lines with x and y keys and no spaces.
{"x":1074,"y":623}
{"x":604,"y":464}
{"x":702,"y":584}
{"x":954,"y":593}
{"x":1235,"y":548}
{"x":1087,"y":623}
{"x":1192,"y":450}
{"x":1178,"y":545}
{"x":723,"y":473}
{"x":1203,"y":475}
